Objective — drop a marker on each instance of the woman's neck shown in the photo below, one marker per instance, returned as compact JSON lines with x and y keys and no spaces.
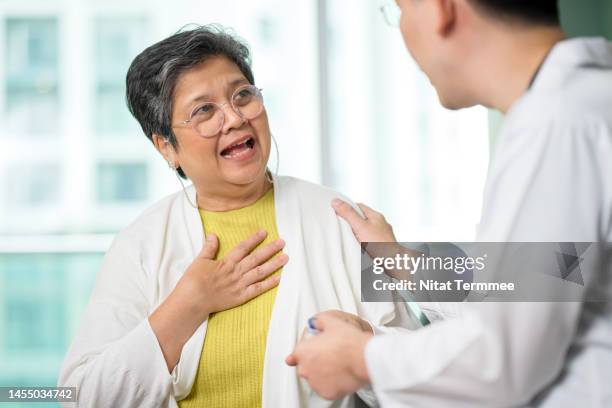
{"x":232,"y":196}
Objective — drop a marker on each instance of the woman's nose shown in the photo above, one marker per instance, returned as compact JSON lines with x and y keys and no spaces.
{"x":233,"y":120}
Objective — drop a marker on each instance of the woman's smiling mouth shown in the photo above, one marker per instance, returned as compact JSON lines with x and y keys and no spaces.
{"x":242,"y":150}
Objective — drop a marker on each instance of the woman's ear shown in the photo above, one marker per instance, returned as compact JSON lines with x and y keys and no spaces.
{"x":164,"y":147}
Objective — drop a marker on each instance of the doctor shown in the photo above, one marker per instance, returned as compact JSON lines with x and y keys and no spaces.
{"x":550,"y":180}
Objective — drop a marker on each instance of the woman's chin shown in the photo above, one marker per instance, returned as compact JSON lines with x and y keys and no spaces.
{"x":245,"y":174}
{"x":245,"y":169}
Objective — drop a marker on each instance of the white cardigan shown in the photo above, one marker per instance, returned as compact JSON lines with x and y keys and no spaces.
{"x":115,"y":359}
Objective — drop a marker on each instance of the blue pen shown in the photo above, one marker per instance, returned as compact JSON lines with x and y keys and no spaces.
{"x":312,"y":329}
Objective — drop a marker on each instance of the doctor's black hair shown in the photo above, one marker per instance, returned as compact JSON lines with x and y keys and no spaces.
{"x":534,"y":12}
{"x":153,"y":74}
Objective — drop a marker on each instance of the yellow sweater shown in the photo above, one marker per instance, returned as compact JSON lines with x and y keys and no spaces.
{"x":230,"y":373}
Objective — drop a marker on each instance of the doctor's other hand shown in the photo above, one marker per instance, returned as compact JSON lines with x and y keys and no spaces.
{"x":333,"y":361}
{"x":349,"y":318}
{"x":373,"y":228}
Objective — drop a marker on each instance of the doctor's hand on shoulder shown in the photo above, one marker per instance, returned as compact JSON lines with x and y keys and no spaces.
{"x":374,"y":233}
{"x":371,"y":227}
{"x":210,"y":286}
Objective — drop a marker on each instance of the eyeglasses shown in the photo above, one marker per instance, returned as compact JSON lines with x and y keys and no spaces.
{"x":392,"y":13}
{"x":208,"y":118}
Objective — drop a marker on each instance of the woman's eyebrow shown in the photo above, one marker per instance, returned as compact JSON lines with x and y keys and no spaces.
{"x":239,"y":81}
{"x":206,"y":97}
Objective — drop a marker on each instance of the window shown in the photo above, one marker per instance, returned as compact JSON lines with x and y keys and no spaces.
{"x":31,"y":66}
{"x":84,"y":170}
{"x":117,"y":42}
{"x":122,"y":182}
{"x":34,"y":317}
{"x":387,"y":140}
{"x":42,"y":297}
{"x":31,"y":185}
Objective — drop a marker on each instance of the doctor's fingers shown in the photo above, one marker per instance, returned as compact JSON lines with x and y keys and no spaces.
{"x":260,"y":255}
{"x":295,"y":358}
{"x":291,"y":360}
{"x":371,"y":214}
{"x":260,"y":272}
{"x":244,"y":248}
{"x":347,"y":212}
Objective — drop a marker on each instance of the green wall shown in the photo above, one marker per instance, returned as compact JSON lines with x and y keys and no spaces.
{"x":587,"y":17}
{"x":607,"y":21}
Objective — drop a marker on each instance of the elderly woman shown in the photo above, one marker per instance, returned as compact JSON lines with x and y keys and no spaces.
{"x":186,"y":309}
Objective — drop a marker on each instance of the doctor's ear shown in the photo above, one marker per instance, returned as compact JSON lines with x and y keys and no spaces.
{"x":444,"y":15}
{"x":165,"y":148}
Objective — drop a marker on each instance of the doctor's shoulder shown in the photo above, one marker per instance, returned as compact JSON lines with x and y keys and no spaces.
{"x":569,"y":114}
{"x":586,"y":98}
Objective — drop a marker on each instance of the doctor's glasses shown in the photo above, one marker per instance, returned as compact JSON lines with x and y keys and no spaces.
{"x":391,"y":13}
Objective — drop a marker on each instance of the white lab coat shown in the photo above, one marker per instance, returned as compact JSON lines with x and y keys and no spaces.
{"x":115,"y":359}
{"x":550,"y":181}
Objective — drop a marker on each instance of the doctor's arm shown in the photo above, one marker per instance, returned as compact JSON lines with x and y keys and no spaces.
{"x":482,"y":359}
{"x":487,"y":354}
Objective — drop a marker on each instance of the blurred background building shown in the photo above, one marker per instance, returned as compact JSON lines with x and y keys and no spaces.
{"x":348,"y":107}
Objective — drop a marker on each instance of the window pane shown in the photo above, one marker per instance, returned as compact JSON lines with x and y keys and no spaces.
{"x":124,"y":182}
{"x":32,"y":185}
{"x":389,"y":139}
{"x":31,"y":76}
{"x":117,"y":42}
{"x":42,"y":297}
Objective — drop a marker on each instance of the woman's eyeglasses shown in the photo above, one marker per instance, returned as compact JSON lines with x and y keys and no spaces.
{"x":207,"y":119}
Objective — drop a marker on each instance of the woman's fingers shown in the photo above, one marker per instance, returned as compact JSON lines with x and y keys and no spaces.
{"x":261,"y":255}
{"x":241,"y":275}
{"x":245,"y":247}
{"x":260,"y":287}
{"x":211,"y":246}
{"x":260,"y":272}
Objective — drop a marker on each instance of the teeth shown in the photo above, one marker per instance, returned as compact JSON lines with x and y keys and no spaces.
{"x":249,"y":143}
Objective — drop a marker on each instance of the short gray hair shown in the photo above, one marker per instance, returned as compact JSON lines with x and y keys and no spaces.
{"x":152,"y":75}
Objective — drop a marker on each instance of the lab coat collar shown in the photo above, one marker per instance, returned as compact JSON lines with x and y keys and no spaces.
{"x":568,"y":55}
